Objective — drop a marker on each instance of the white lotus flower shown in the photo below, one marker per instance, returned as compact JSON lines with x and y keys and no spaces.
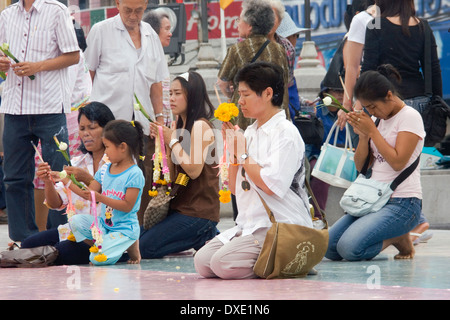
{"x":62,"y":174}
{"x":63,"y":146}
{"x":327,"y":101}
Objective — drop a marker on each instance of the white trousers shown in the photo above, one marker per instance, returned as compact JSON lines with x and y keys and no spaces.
{"x":232,"y":260}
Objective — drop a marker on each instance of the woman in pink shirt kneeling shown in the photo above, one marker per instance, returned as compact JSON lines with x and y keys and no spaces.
{"x":393,"y":144}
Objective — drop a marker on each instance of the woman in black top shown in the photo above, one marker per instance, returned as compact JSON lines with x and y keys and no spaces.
{"x":399,"y":40}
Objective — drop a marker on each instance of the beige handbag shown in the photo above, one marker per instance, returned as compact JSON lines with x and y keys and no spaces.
{"x":158,"y":207}
{"x":291,"y":250}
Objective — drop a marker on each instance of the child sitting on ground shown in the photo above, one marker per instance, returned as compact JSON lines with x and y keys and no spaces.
{"x":119,"y":190}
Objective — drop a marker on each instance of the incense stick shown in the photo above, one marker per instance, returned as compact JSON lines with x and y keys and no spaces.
{"x":217,"y":94}
{"x":345,"y":89}
{"x":37,"y":151}
{"x":40,"y":157}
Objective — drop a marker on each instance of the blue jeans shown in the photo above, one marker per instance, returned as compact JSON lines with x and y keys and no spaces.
{"x":69,"y":253}
{"x":2,"y":187}
{"x":19,"y":165}
{"x":419,"y":103}
{"x":176,"y":233}
{"x":356,"y":239}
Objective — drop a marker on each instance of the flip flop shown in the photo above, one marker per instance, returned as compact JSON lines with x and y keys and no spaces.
{"x":421,"y":237}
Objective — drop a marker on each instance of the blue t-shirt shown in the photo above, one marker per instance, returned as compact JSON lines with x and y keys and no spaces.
{"x":115,"y":186}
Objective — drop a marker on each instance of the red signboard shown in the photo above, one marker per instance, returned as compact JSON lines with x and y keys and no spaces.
{"x":89,"y":17}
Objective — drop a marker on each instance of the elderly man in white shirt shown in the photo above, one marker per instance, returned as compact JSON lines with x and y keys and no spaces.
{"x":125,"y":57}
{"x":35,"y":98}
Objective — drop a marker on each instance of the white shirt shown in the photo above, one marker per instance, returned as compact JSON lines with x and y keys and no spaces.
{"x":406,"y":120}
{"x":44,"y":32}
{"x":279,"y":149}
{"x":79,"y":81}
{"x":357,"y":30}
{"x":81,"y":205}
{"x":121,"y":70}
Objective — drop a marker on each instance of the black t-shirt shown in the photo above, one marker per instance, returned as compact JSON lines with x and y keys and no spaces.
{"x":388,"y":44}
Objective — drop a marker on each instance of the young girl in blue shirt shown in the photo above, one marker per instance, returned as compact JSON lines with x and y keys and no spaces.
{"x":118,"y":186}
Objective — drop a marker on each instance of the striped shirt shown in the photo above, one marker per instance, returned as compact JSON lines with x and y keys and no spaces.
{"x":44,"y":32}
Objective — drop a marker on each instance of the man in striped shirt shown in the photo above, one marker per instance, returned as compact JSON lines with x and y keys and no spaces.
{"x":41,"y":36}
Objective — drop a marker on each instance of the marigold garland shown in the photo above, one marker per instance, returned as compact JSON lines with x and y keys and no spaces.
{"x":96,"y":234}
{"x":225,"y":112}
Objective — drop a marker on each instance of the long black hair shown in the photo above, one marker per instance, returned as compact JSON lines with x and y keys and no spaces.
{"x":95,"y":111}
{"x":118,"y":131}
{"x":198,"y":103}
{"x":405,"y":9}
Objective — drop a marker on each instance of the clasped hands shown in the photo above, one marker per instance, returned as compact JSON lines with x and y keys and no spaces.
{"x":235,"y":140}
{"x":361,"y":122}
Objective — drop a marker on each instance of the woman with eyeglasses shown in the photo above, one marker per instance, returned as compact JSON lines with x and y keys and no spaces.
{"x":260,"y":168}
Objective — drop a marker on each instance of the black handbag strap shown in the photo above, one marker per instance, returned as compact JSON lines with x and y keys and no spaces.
{"x":405,"y":174}
{"x":260,"y":51}
{"x":401,"y":177}
{"x":427,"y":59}
{"x":366,"y":164}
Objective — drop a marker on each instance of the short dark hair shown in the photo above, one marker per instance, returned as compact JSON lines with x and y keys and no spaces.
{"x":262,"y":75}
{"x":95,"y":111}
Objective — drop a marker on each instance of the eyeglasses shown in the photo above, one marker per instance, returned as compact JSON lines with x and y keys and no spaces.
{"x":244,"y":184}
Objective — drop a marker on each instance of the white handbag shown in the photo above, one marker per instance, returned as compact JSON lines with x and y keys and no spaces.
{"x":336,"y":165}
{"x":366,"y":195}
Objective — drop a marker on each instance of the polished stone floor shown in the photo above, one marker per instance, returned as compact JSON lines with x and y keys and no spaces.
{"x":426,"y":277}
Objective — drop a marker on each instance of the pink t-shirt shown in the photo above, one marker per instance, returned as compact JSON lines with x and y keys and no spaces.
{"x":410,"y":120}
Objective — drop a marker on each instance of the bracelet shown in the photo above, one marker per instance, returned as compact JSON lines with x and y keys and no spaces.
{"x":234,"y":164}
{"x":68,"y":184}
{"x":159,"y":115}
{"x":172,"y":142}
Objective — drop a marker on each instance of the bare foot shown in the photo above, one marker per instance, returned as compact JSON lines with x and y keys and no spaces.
{"x":134,"y":253}
{"x":404,"y":245}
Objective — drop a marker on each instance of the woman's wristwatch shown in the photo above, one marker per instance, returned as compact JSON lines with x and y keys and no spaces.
{"x":244,"y":156}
